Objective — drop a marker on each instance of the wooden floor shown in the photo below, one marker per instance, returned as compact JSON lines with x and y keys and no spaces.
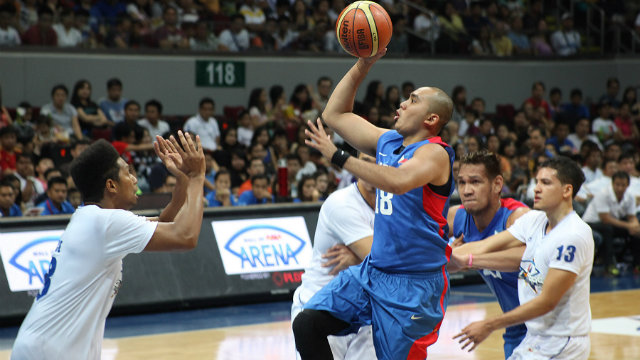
{"x":273,"y":341}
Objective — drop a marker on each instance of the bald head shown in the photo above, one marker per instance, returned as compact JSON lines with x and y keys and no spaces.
{"x":439,"y":103}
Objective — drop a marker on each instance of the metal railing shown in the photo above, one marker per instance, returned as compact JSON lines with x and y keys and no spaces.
{"x":430,"y":39}
{"x":593,"y":29}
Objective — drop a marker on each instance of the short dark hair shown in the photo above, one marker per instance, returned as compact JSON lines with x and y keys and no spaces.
{"x":77,"y":142}
{"x":555,"y":90}
{"x":294,"y":157}
{"x":533,"y":87}
{"x":8,"y":130}
{"x":59,"y":87}
{"x":324,"y":78}
{"x":49,"y":171}
{"x":56,"y":180}
{"x":627,"y":155}
{"x":206,"y":100}
{"x":612,"y":80}
{"x":121,"y":130}
{"x":543,"y":133}
{"x":93,"y":167}
{"x":220,"y":173}
{"x":113,"y":82}
{"x":301,"y":182}
{"x":155,"y":103}
{"x":567,"y":170}
{"x":621,"y":175}
{"x":131,"y":102}
{"x":486,"y":158}
{"x":258,"y":177}
{"x":576,"y":92}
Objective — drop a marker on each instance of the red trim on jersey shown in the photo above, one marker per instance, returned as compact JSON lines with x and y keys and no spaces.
{"x":511,"y":204}
{"x":434,"y":205}
{"x":437,"y":140}
{"x":418,"y":350}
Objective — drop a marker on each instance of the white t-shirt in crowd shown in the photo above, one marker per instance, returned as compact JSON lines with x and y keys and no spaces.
{"x":70,"y":38}
{"x":67,"y":319}
{"x":9,"y":37}
{"x":568,"y":246}
{"x":605,"y":201}
{"x":245,"y":135}
{"x":208,"y":130}
{"x":594,"y":187}
{"x":590,"y":175}
{"x":161,"y":128}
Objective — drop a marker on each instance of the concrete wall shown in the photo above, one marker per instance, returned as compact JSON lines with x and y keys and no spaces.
{"x":171,"y":79}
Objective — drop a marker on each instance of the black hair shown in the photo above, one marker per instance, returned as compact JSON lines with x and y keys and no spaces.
{"x":621,"y":175}
{"x":56,"y":180}
{"x":121,"y":130}
{"x":131,"y":102}
{"x":7,"y":130}
{"x":44,"y":10}
{"x":254,"y":99}
{"x":486,"y":158}
{"x":612,"y":80}
{"x":303,"y":106}
{"x":155,"y":103}
{"x":93,"y":167}
{"x":77,"y":142}
{"x":576,"y":92}
{"x":49,"y":171}
{"x":113,"y":82}
{"x":275,"y":92}
{"x":75,"y":99}
{"x":294,"y":157}
{"x":533,"y":87}
{"x":555,"y":90}
{"x":324,"y":78}
{"x":206,"y":100}
{"x":220,"y":173}
{"x":60,"y":87}
{"x":301,"y":182}
{"x":567,"y":170}
{"x":627,"y":155}
{"x":258,"y":177}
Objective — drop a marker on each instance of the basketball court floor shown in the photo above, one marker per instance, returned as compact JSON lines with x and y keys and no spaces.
{"x":263,"y":331}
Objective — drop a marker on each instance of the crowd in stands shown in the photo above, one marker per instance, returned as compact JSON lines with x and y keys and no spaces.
{"x":256,"y":154}
{"x":483,"y":28}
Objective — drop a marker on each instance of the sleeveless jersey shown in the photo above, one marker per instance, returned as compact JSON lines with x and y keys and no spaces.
{"x":504,"y":285}
{"x":410,"y":230}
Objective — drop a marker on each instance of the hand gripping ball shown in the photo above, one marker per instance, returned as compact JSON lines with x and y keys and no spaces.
{"x":364,"y":28}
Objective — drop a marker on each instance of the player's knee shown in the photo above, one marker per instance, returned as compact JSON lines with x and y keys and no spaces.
{"x":303,"y":331}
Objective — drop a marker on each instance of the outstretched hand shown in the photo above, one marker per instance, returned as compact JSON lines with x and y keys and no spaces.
{"x":187,"y":159}
{"x":169,"y":156}
{"x":474,"y":334}
{"x":319,"y":140}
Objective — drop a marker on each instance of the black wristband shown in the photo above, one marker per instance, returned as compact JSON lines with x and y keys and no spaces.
{"x":339,"y":158}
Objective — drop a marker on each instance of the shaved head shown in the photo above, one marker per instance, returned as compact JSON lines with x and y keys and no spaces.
{"x":439,"y":103}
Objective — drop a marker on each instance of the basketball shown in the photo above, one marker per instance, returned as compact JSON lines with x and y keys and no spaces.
{"x":364,"y":28}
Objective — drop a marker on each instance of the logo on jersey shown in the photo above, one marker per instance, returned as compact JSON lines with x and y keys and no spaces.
{"x":263,"y":245}
{"x":531,"y":275}
{"x":26,"y":257}
{"x":402,"y":160}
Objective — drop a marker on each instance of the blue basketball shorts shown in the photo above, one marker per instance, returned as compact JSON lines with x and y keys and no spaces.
{"x":405,"y":310}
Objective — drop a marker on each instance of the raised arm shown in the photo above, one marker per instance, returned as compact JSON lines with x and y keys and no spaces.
{"x":183,"y":231}
{"x":338,"y":113}
{"x":429,"y":165}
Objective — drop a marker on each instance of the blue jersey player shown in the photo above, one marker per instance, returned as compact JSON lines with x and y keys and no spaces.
{"x":402,"y":287}
{"x":482,"y":214}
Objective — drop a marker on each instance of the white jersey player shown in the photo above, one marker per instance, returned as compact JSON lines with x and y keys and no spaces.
{"x":343,"y":235}
{"x":553,"y":249}
{"x":66,"y":321}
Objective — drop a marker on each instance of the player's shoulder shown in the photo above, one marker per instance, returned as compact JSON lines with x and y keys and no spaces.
{"x":533,"y":218}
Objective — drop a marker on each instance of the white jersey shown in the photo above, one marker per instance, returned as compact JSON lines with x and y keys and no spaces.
{"x":345,"y":217}
{"x":568,"y":246}
{"x":66,"y":321}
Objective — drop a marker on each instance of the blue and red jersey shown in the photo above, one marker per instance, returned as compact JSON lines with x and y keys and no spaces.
{"x":410,"y":230}
{"x":504,"y":285}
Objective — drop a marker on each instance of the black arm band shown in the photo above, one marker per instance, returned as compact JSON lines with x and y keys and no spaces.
{"x":339,"y":158}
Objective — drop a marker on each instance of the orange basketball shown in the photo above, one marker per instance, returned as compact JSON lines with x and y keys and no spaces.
{"x":364,"y":28}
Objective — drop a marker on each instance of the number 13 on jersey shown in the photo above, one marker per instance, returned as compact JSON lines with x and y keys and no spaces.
{"x":383,"y":203}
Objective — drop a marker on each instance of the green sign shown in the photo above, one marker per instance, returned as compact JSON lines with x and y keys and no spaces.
{"x":220,"y":73}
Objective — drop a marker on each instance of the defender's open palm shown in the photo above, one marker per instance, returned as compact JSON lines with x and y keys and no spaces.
{"x":319,"y":139}
{"x":192,"y":154}
{"x":169,"y":156}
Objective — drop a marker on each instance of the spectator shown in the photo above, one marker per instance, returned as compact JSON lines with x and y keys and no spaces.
{"x":8,"y":206}
{"x":229,"y":144}
{"x":603,"y":126}
{"x":211,"y":169}
{"x":56,"y":202}
{"x":500,"y":41}
{"x":119,"y":36}
{"x":389,"y":106}
{"x":131,"y":117}
{"x":374,"y":95}
{"x":627,"y":126}
{"x":626,"y":163}
{"x":308,"y":167}
{"x":285,"y":37}
{"x":205,"y":125}
{"x":427,"y":25}
{"x":586,"y":193}
{"x":236,"y":38}
{"x":238,"y":169}
{"x":28,"y":15}
{"x":566,"y":41}
{"x":170,"y":36}
{"x":537,"y":98}
{"x":259,"y":193}
{"x":63,"y":114}
{"x":259,"y":107}
{"x":254,"y":17}
{"x":256,"y":167}
{"x":41,"y":33}
{"x":124,"y":140}
{"x":152,"y":121}
{"x":560,"y":141}
{"x":89,"y":38}
{"x":322,"y":184}
{"x":187,"y":12}
{"x":611,"y":96}
{"x":475,"y":21}
{"x":315,"y":40}
{"x":555,"y":96}
{"x":537,"y":142}
{"x":113,"y":105}
{"x":89,"y":113}
{"x":106,"y":13}
{"x":481,"y":45}
{"x":539,"y":43}
{"x":520,"y":41}
{"x":400,"y":43}
{"x":140,"y":10}
{"x":29,"y":186}
{"x":8,"y":142}
{"x":306,"y":190}
{"x":222,"y":195}
{"x":300,"y":19}
{"x":204,"y":39}
{"x":531,"y":19}
{"x":592,"y":162}
{"x":630,"y":97}
{"x":9,"y":36}
{"x":245,"y":128}
{"x":68,"y":35}
{"x":320,"y":96}
{"x":294,"y":164}
{"x":581,"y":134}
{"x":452,"y":25}
{"x":74,"y":197}
{"x":612,"y":214}
{"x":575,"y":110}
